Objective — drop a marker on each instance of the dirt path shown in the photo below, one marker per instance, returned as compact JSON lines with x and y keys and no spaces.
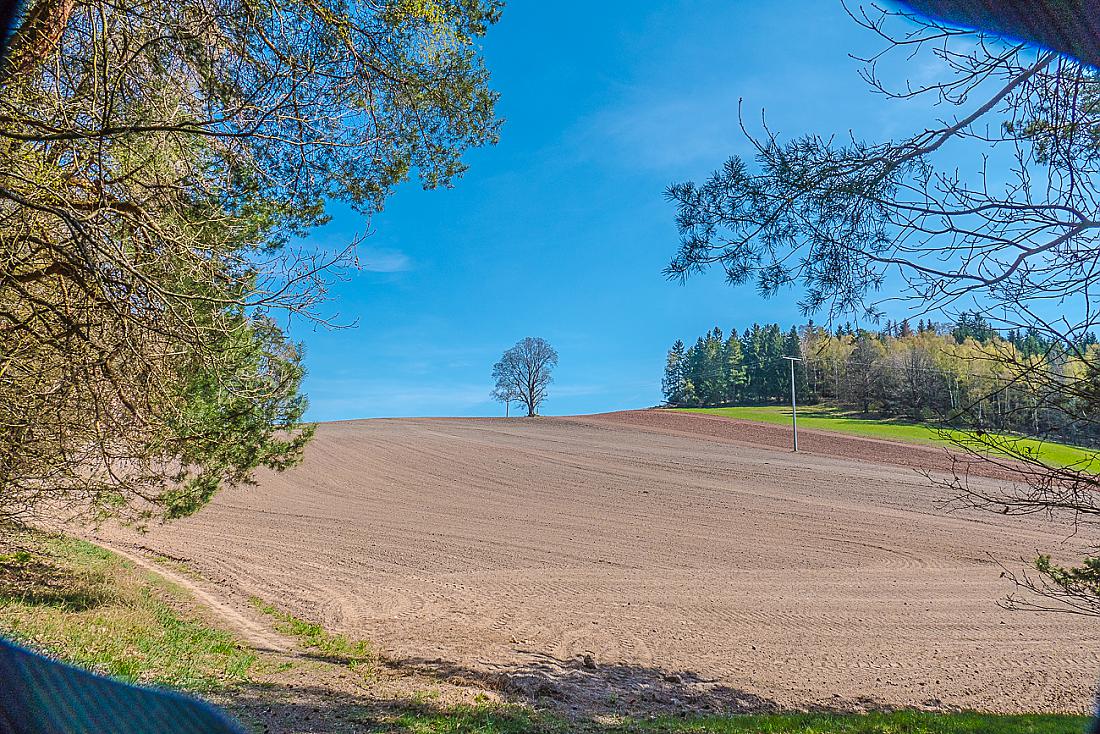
{"x":250,"y":628}
{"x":613,"y":561}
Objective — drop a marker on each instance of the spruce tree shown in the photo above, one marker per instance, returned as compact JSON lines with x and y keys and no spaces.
{"x":696,"y":371}
{"x":674,"y":385}
{"x":774,"y":367}
{"x":735,"y":369}
{"x":750,"y":358}
{"x":792,"y":347}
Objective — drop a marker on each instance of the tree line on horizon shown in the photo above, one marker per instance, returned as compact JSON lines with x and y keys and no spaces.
{"x":967,"y":373}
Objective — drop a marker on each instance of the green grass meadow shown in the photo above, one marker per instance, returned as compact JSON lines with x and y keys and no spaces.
{"x":830,"y":419}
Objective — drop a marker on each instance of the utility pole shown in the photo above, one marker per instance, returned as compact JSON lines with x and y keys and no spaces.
{"x":794,"y":406}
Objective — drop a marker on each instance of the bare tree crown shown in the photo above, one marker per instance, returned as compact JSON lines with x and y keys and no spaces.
{"x":525,"y":372}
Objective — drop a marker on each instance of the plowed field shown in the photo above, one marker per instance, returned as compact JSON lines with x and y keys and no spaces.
{"x":694,"y":561}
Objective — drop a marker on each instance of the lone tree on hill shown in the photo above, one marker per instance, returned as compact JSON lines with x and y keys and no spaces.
{"x":524,"y":373}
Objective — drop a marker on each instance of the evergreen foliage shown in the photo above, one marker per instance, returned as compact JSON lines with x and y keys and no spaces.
{"x":966,"y":374}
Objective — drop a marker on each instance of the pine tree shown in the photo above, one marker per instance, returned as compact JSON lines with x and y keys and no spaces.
{"x":792,"y":347}
{"x":862,"y":370}
{"x":973,"y":326}
{"x":696,"y":371}
{"x":776,"y":385}
{"x":735,"y":369}
{"x":674,"y":384}
{"x":750,"y":358}
{"x":714,"y":392}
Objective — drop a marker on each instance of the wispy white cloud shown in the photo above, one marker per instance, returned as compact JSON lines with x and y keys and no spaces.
{"x":384,"y":261}
{"x":665,"y":130}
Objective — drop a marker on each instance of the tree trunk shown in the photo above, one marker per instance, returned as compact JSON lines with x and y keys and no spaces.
{"x":39,"y":35}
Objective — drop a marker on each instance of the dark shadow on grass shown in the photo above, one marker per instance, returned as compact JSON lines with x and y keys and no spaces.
{"x":289,"y":707}
{"x":296,"y":709}
{"x":544,"y":694}
{"x":329,"y":658}
{"x":28,"y":579}
{"x":589,"y":688}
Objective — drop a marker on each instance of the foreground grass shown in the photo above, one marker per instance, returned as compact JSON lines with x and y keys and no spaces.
{"x":85,"y":605}
{"x":831,"y":419}
{"x":513,"y":720}
{"x":356,"y":654}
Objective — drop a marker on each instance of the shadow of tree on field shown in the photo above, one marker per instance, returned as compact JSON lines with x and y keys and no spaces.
{"x":294,"y":709}
{"x":288,"y":708}
{"x":421,"y":694}
{"x":33,"y":579}
{"x":583,"y":686}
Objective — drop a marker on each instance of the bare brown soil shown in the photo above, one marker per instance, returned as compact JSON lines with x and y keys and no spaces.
{"x":649,"y":560}
{"x":919,"y":457}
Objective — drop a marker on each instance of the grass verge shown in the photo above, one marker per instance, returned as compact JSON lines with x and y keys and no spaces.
{"x":489,"y":719}
{"x":356,"y":654}
{"x":80,"y":603}
{"x":831,"y":419}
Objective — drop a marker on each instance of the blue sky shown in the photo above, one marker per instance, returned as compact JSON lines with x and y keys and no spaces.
{"x":561,"y":230}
